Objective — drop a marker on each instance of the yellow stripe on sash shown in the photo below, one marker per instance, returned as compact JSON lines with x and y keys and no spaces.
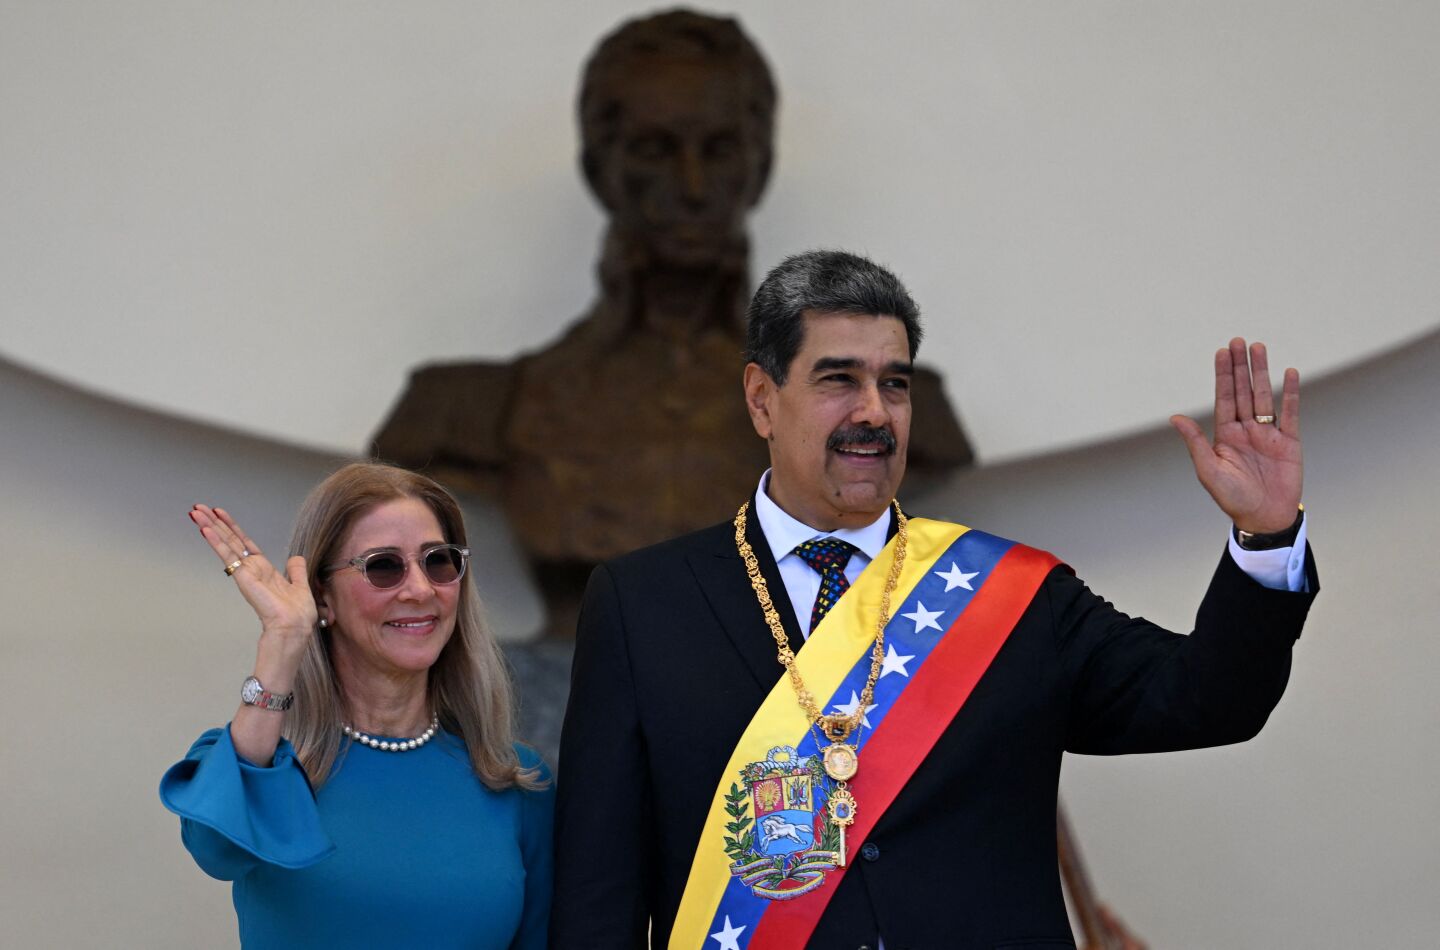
{"x":843,"y":636}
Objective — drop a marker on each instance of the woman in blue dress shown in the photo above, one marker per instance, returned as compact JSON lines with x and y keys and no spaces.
{"x":368,"y":791}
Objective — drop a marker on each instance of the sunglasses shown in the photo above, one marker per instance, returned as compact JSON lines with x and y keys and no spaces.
{"x":384,"y":570}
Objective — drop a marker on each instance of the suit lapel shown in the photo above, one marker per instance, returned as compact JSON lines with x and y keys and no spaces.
{"x":726,"y":585}
{"x":722,"y":577}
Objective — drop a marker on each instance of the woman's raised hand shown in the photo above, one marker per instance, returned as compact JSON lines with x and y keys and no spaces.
{"x":287,"y":625}
{"x":282,"y":601}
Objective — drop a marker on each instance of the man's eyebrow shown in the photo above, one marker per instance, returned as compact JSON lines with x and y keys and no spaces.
{"x":827,"y":363}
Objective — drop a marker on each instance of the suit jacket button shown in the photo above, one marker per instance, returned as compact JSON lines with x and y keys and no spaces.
{"x":870,"y":852}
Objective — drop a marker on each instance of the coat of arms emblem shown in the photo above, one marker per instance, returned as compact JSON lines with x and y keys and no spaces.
{"x":781,"y":840}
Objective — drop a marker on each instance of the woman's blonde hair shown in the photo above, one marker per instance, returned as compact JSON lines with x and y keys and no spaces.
{"x":469,"y":684}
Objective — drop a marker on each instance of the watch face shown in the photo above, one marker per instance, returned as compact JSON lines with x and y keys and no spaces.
{"x":250,"y":692}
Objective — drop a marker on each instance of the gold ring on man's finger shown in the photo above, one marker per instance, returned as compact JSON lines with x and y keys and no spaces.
{"x":1265,"y":420}
{"x":232,"y":568}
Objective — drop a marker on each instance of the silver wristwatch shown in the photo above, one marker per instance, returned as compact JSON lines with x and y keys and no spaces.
{"x":253,"y":694}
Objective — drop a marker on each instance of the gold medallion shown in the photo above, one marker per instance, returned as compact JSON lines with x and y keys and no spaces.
{"x":841,"y":762}
{"x":842,"y":814}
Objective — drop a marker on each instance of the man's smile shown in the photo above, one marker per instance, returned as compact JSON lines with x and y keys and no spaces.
{"x":862,"y":442}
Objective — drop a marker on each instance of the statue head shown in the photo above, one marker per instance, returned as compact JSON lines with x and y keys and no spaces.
{"x":677,"y":123}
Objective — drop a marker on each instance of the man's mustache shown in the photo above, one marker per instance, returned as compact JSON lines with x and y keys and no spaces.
{"x":861,"y":435}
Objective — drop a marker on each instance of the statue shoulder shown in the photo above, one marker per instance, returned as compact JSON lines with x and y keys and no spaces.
{"x":451,"y":415}
{"x":937,"y":440}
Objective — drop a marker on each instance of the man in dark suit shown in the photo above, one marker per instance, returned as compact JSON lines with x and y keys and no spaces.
{"x":674,"y":657}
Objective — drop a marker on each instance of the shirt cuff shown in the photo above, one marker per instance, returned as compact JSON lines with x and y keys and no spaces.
{"x":1278,"y":568}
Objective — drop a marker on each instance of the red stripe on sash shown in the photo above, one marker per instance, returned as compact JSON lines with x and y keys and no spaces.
{"x":914,"y":724}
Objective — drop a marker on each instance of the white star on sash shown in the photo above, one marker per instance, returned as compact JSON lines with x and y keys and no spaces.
{"x":854,"y":704}
{"x":894,"y":662}
{"x":956,"y":578}
{"x":924,"y":618}
{"x":729,"y":937}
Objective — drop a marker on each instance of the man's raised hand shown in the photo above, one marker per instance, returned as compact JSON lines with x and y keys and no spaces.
{"x":1253,"y":469}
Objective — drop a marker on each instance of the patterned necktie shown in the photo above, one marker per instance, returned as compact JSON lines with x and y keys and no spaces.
{"x":828,"y":556}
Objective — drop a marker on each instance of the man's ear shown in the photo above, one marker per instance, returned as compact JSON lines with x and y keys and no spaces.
{"x":760,"y":389}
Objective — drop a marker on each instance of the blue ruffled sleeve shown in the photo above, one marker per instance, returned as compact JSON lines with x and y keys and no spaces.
{"x":235,"y":815}
{"x":537,"y":828}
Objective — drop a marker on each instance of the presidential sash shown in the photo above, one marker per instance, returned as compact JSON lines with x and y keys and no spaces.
{"x":767,"y":862}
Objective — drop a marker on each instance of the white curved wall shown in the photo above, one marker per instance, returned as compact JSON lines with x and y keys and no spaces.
{"x":323,"y":195}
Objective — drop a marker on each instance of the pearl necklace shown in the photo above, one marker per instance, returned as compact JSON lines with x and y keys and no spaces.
{"x":400,"y":745}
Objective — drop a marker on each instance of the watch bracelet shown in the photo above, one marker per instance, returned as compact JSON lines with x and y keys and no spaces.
{"x":1273,"y":540}
{"x":264,"y":698}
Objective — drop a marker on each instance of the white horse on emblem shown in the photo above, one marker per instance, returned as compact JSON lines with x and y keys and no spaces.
{"x":776,"y":828}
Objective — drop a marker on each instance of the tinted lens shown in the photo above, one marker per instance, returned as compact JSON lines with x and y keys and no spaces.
{"x":444,"y":565}
{"x":384,"y":570}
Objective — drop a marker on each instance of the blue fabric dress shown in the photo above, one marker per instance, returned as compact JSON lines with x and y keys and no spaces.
{"x":396,"y":849}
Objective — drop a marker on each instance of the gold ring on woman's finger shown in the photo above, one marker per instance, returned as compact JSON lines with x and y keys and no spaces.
{"x":232,"y":568}
{"x":1265,"y":420}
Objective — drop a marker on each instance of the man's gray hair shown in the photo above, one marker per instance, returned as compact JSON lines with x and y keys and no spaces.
{"x":823,"y":281}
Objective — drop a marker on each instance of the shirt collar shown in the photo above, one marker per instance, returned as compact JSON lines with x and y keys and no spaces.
{"x":783,"y":533}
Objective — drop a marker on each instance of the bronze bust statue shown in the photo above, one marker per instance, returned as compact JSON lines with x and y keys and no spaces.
{"x":632,"y":428}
